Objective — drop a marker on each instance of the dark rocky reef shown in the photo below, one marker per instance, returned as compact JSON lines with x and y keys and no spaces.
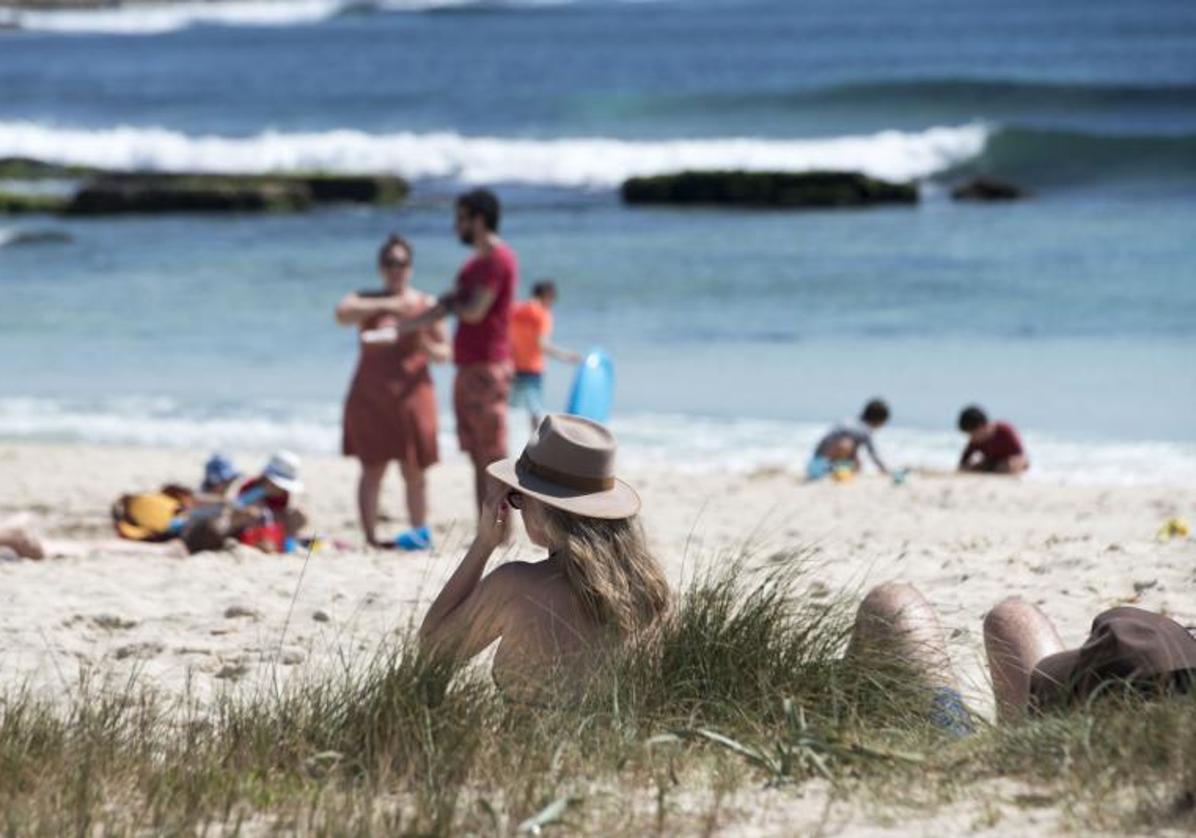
{"x":768,"y":189}
{"x":113,"y":193}
{"x":26,"y":168}
{"x":119,"y":194}
{"x":19,"y":203}
{"x":987,"y":189}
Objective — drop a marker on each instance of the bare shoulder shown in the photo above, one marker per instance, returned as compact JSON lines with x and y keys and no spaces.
{"x":524,"y":577}
{"x":518,"y":572}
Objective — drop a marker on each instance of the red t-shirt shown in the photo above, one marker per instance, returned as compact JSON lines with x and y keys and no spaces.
{"x":1001,"y":445}
{"x":277,"y":504}
{"x":486,"y":342}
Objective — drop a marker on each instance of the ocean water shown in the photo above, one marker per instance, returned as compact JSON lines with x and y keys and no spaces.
{"x":737,"y":335}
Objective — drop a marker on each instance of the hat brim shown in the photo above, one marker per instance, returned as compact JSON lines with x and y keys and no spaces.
{"x":620,"y":501}
{"x":287,"y":485}
{"x":1053,"y":679}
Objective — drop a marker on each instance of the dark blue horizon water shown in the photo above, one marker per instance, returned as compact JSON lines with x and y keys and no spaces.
{"x":632,"y":70}
{"x":1073,"y":312}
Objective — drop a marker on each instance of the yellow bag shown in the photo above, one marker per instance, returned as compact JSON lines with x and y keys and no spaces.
{"x":150,"y":516}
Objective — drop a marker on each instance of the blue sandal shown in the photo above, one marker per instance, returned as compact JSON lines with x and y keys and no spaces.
{"x":416,"y":538}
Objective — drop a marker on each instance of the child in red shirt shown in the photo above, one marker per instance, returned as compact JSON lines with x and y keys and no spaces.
{"x":993,"y":447}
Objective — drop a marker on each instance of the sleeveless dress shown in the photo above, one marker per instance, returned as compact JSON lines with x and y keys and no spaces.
{"x":390,"y":412}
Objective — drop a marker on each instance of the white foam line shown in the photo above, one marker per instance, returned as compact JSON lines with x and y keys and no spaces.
{"x":159,"y":18}
{"x":593,"y":162}
{"x":706,"y":445}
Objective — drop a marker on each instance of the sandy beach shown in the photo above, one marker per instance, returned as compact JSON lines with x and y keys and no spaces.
{"x":237,"y":620}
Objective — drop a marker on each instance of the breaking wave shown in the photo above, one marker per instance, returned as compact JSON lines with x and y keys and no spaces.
{"x":156,"y":19}
{"x":586,"y":162}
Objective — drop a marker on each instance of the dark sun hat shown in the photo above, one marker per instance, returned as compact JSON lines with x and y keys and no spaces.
{"x":570,"y":465}
{"x":1149,"y":652}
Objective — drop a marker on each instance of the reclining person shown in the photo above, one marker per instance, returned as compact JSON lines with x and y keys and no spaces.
{"x":260,"y":513}
{"x":1127,"y":647}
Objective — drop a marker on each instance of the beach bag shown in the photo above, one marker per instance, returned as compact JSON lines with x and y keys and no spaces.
{"x":269,"y":537}
{"x":149,"y":516}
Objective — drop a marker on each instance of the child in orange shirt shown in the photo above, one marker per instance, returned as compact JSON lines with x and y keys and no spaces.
{"x":531,"y":328}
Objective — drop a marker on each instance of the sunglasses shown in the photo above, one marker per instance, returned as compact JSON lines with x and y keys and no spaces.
{"x":391,"y":262}
{"x":515,"y":500}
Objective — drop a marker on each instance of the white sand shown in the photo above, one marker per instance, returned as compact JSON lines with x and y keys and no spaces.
{"x":108,"y":606}
{"x":112,"y":609}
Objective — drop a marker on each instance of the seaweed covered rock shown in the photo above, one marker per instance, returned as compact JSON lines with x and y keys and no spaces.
{"x":163,"y":193}
{"x":27,"y":168}
{"x":115,"y":194}
{"x":18,"y":203}
{"x":987,"y":189}
{"x":356,"y":189}
{"x":768,"y":189}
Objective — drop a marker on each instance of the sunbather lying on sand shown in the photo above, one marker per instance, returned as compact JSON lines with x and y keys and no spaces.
{"x":259,"y":512}
{"x":1031,"y":671}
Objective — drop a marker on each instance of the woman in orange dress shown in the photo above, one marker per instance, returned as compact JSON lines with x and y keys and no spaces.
{"x":390,"y":412}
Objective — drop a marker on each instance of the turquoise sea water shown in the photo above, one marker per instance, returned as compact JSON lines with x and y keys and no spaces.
{"x":1073,"y":313}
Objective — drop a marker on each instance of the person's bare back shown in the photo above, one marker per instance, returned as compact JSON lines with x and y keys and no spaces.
{"x":554,"y":620}
{"x":546,"y":631}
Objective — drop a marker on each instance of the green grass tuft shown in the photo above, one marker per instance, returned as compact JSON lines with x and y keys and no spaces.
{"x":745,"y":688}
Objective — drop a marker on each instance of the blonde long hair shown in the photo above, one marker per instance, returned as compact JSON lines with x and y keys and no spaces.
{"x":610,"y":568}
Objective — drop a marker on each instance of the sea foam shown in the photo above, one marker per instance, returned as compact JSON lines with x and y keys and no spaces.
{"x":156,"y":19}
{"x":586,"y":162}
{"x":685,"y":443}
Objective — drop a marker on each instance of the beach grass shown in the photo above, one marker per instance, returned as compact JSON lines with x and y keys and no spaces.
{"x":745,"y":690}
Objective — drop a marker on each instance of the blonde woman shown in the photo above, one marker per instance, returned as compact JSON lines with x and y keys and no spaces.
{"x":598,"y":587}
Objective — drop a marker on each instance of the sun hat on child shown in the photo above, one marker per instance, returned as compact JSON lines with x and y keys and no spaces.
{"x":570,"y":464}
{"x":219,"y":469}
{"x":283,"y":471}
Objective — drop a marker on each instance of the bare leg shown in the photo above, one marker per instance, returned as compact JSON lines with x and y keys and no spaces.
{"x":21,"y":540}
{"x":1017,"y":635}
{"x":416,"y":486}
{"x":294,"y":520}
{"x":369,"y":486}
{"x":895,"y":619}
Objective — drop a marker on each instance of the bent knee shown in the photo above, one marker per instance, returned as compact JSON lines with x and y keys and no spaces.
{"x":891,"y":597}
{"x":1009,"y":613}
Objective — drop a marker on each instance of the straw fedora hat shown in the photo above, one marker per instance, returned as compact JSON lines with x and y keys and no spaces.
{"x":570,"y":465}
